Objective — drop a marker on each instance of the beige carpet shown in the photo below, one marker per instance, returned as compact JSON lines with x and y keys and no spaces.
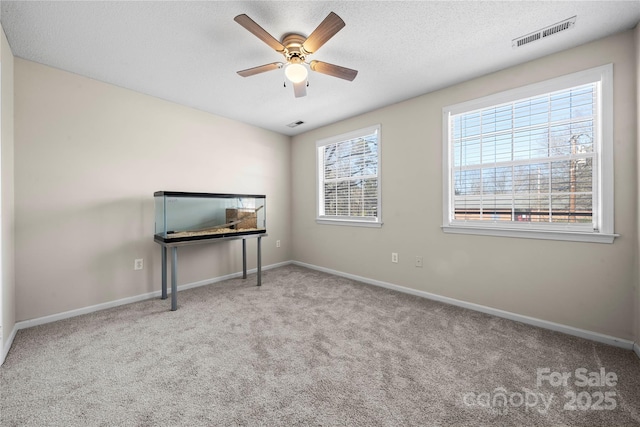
{"x":308,"y":348}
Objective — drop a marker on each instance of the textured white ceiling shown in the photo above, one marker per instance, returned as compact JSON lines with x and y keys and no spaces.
{"x":188,"y":52}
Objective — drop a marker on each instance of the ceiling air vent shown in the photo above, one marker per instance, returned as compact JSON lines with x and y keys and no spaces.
{"x":545,"y":32}
{"x":294,"y":124}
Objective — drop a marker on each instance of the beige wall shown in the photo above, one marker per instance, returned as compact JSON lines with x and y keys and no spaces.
{"x":584,"y":285}
{"x":89,"y":157}
{"x":6,"y":165}
{"x":637,"y":281}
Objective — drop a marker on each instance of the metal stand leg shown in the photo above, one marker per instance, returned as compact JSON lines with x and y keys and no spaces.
{"x":260,"y":261}
{"x":164,"y":272}
{"x":244,"y":258}
{"x":174,"y":278}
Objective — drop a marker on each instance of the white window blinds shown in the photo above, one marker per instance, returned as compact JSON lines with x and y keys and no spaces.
{"x":528,"y":161}
{"x":348,"y":169}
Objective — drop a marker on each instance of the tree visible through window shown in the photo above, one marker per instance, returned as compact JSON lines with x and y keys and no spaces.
{"x":348,"y":172}
{"x":534,"y":162}
{"x":530,"y":160}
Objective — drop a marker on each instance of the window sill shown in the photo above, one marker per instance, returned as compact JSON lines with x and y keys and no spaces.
{"x":570,"y":236}
{"x":346,"y":222}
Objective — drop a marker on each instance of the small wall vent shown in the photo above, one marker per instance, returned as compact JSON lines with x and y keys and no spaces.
{"x":545,"y":32}
{"x":294,"y":124}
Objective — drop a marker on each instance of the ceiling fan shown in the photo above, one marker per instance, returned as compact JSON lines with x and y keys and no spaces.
{"x":295,"y":49}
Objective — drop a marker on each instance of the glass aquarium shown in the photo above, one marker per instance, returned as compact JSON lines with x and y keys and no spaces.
{"x":182,"y":216}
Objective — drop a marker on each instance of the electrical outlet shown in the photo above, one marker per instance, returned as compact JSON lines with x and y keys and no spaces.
{"x":138,"y":264}
{"x":277,"y":243}
{"x":418,"y":261}
{"x":394,"y":257}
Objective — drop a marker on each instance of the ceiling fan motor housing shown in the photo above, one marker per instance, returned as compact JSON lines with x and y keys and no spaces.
{"x":293,"y":50}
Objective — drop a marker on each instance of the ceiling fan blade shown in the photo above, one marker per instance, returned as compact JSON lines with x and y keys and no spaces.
{"x":327,"y":29}
{"x":333,"y":70}
{"x":259,"y":32}
{"x":261,"y":69}
{"x":300,"y":89}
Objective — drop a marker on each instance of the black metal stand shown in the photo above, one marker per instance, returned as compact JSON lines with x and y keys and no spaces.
{"x":174,"y":262}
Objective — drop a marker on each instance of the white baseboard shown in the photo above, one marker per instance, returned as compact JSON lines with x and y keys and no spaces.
{"x":570,"y":330}
{"x":155,"y":294}
{"x":7,"y":345}
{"x":594,"y":336}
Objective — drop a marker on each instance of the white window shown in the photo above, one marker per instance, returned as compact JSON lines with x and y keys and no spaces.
{"x":348,"y":171}
{"x":533,"y":162}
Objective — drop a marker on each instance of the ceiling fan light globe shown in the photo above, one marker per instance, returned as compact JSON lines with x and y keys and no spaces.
{"x":296,"y":73}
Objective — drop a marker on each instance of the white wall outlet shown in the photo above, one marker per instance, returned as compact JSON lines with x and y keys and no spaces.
{"x":277,"y":243}
{"x":138,"y":264}
{"x":418,"y":261}
{"x":394,"y":257}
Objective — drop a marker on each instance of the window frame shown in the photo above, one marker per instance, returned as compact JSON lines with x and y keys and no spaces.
{"x":603,"y":161}
{"x":347,"y":220}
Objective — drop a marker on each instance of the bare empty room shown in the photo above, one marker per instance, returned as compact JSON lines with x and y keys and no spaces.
{"x":348,"y":213}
